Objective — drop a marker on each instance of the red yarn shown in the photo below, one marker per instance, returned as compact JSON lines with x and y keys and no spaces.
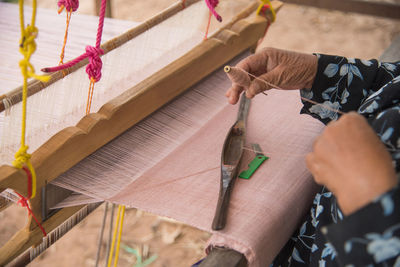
{"x":93,"y":69}
{"x":264,"y":9}
{"x":23,"y":201}
{"x":69,"y":4}
{"x":28,"y":173}
{"x":212,"y":4}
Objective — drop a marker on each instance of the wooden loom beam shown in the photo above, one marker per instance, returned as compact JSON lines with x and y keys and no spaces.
{"x":72,"y":144}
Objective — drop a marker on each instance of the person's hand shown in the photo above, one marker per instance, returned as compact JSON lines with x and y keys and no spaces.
{"x":351,"y":161}
{"x":285,"y":69}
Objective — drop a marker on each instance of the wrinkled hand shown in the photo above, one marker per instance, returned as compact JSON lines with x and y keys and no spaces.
{"x":285,"y":69}
{"x":351,"y":161}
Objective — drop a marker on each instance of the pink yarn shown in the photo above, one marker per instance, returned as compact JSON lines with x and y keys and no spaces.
{"x":93,"y":69}
{"x":69,"y":4}
{"x":211,"y":4}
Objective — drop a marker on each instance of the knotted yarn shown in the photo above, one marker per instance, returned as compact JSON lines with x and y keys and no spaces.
{"x":27,"y":44}
{"x":21,"y":156}
{"x":93,"y":69}
{"x":212,"y":4}
{"x":27,"y":47}
{"x":24,"y":202}
{"x":264,"y":7}
{"x":70,"y":5}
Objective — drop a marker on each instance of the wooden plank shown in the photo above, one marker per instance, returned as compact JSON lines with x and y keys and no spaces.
{"x":381,"y":9}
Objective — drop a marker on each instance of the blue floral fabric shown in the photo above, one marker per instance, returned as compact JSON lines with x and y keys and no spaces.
{"x":371,"y":235}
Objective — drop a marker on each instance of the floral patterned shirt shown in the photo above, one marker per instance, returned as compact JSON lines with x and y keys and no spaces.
{"x":371,"y":235}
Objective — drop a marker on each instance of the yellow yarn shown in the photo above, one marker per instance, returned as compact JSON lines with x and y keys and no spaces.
{"x":117,"y":230}
{"x":119,"y":236}
{"x":267,"y":2}
{"x":27,"y":47}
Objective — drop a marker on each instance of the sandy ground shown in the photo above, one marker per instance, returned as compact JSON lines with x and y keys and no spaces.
{"x":297,"y":28}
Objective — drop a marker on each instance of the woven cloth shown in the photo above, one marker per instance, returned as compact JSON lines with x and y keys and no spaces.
{"x":265,"y":210}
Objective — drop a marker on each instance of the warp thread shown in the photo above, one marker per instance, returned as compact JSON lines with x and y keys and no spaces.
{"x":7,"y":103}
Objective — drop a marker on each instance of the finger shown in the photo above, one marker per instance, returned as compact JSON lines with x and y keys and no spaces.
{"x":264,"y":82}
{"x":255,"y":64}
{"x":233,"y":94}
{"x":313,"y":167}
{"x":239,"y":77}
{"x":316,"y":143}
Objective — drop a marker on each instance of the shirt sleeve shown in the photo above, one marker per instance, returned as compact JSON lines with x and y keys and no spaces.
{"x":371,"y":235}
{"x":342,"y":84}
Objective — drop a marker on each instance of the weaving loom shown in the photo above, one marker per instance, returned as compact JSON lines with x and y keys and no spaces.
{"x":158,"y":145}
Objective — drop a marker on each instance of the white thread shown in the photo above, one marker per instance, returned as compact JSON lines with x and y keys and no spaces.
{"x":303,"y":98}
{"x":7,"y":106}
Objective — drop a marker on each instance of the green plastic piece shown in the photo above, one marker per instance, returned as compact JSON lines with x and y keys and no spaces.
{"x":253,"y":166}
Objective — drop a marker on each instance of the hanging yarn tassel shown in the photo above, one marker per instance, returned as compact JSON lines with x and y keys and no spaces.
{"x":22,"y":158}
{"x":70,"y":6}
{"x":211,"y":4}
{"x":93,"y":69}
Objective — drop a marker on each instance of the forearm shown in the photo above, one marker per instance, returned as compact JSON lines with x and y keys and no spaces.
{"x":340,"y":83}
{"x":370,"y":236}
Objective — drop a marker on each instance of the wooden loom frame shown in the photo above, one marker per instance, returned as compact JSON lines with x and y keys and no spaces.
{"x":72,"y":144}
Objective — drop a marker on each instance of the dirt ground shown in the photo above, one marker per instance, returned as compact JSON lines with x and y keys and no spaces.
{"x":297,"y":28}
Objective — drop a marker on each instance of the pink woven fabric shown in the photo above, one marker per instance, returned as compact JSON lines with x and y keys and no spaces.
{"x":265,"y":210}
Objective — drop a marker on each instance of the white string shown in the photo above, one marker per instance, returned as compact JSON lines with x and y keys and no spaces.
{"x":7,"y":106}
{"x":129,"y":156}
{"x":270,"y":153}
{"x":62,"y":104}
{"x":303,"y":98}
